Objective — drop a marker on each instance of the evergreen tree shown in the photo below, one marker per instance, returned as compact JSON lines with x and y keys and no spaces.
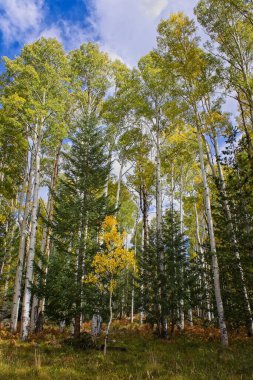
{"x":80,"y":208}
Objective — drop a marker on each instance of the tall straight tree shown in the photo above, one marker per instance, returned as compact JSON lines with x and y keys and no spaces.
{"x":38,"y":77}
{"x":154,"y":94}
{"x":87,"y":167}
{"x":177,"y":44}
{"x":81,"y":207}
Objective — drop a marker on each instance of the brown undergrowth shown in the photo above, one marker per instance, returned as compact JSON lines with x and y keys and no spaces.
{"x":194,"y":354}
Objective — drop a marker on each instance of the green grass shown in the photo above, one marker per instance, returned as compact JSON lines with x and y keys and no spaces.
{"x":185,"y":357}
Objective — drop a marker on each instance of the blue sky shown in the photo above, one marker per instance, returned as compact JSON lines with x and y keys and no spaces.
{"x":126,"y":29}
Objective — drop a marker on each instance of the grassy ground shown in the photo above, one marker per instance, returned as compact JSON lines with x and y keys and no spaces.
{"x":194,"y":355}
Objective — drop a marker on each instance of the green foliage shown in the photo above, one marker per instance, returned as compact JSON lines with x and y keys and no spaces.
{"x":79,"y":211}
{"x":173,"y":280}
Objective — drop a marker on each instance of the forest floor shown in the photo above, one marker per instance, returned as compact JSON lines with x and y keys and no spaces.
{"x":195,"y":354}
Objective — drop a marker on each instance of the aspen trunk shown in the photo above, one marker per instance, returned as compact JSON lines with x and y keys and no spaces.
{"x":119,"y":184}
{"x":208,"y":307}
{"x":190,"y":319}
{"x":38,"y":305}
{"x":30,"y":260}
{"x":109,"y":324}
{"x":247,"y":305}
{"x":223,"y":194}
{"x":182,"y":318}
{"x":23,"y":193}
{"x":21,"y":250}
{"x":175,"y":313}
{"x":108,"y":177}
{"x":142,"y":272}
{"x":144,"y":235}
{"x":144,"y":210}
{"x":133,"y":282}
{"x":215,"y":266}
{"x":160,"y":254}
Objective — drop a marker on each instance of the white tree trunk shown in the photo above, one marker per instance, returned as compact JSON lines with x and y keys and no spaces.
{"x":234,"y":239}
{"x":109,"y":324}
{"x":215,"y":266}
{"x":119,"y":184}
{"x":208,"y":307}
{"x":182,"y":319}
{"x":133,"y":282}
{"x":23,"y":193}
{"x":159,"y":226}
{"x":223,"y":193}
{"x":141,"y":270}
{"x":39,"y":305}
{"x":190,"y":319}
{"x":21,"y":250}
{"x":30,"y":260}
{"x":158,"y":194}
{"x":96,"y":325}
{"x":108,"y":177}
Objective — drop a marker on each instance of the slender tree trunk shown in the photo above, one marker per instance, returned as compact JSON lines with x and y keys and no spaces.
{"x":119,"y":184}
{"x":160,"y":254}
{"x":144,"y":235}
{"x":175,"y":314}
{"x":133,"y":282}
{"x":34,"y":221}
{"x":142,"y":275}
{"x":215,"y":266}
{"x":144,"y":210}
{"x":182,"y":319}
{"x":190,"y":318}
{"x":21,"y":249}
{"x":108,"y":177}
{"x":38,"y":305}
{"x":109,"y":324}
{"x":158,"y":197}
{"x":207,"y":294}
{"x":23,"y":192}
{"x":223,"y":194}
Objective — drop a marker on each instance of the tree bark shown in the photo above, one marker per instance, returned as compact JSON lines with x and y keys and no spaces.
{"x":215,"y":265}
{"x":34,"y":221}
{"x":160,"y":254}
{"x":21,"y":250}
{"x":109,"y":324}
{"x":207,"y":294}
{"x":119,"y":184}
{"x":221,"y":187}
{"x":133,"y":282}
{"x":181,"y":307}
{"x":38,"y":305}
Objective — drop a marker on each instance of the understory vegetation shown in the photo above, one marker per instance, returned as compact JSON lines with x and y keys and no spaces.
{"x":195,"y":354}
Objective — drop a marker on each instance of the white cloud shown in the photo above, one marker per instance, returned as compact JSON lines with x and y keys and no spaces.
{"x":24,"y":21}
{"x":153,"y":8}
{"x":20,"y":18}
{"x":52,"y":32}
{"x":69,"y":34}
{"x":127,"y":28}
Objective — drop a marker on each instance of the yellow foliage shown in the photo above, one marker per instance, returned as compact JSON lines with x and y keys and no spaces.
{"x":109,"y":264}
{"x":2,"y":218}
